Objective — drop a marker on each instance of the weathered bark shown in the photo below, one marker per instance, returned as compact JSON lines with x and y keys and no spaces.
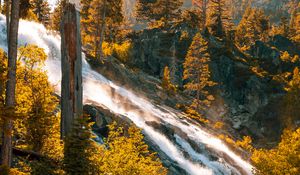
{"x":6,"y":155}
{"x":71,"y":87}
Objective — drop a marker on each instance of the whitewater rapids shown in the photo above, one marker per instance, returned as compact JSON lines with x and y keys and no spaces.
{"x":104,"y":92}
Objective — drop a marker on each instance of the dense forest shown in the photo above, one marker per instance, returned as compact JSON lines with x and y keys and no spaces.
{"x":150,"y":87}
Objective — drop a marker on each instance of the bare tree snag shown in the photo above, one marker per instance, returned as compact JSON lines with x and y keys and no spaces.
{"x":71,"y":64}
{"x":6,"y":151}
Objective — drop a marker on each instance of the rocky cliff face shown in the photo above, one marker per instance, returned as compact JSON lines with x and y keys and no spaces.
{"x":247,"y":96}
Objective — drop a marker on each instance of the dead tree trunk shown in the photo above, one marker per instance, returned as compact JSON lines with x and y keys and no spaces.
{"x":71,"y":64}
{"x":6,"y":151}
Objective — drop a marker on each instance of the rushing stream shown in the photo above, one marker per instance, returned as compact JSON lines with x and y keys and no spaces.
{"x":101,"y":91}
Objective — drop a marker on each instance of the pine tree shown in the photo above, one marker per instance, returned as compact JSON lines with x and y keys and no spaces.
{"x":166,"y":82}
{"x":164,"y":10}
{"x":254,"y":26}
{"x":56,"y":17}
{"x":98,"y":17}
{"x":80,"y":150}
{"x":219,"y":20}
{"x":144,"y":10}
{"x":295,"y":24}
{"x":85,"y":20}
{"x":42,"y":10}
{"x":202,"y":5}
{"x":197,"y":73}
{"x":25,"y":7}
{"x":284,"y":27}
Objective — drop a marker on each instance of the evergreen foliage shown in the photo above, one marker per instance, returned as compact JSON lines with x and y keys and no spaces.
{"x":254,"y":26}
{"x":42,"y":10}
{"x":158,"y":10}
{"x":80,"y":150}
{"x":56,"y":17}
{"x":101,"y":21}
{"x":197,"y":73}
{"x":166,"y":82}
{"x":219,"y":20}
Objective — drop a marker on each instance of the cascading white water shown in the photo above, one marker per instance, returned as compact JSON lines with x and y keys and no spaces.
{"x":104,"y":92}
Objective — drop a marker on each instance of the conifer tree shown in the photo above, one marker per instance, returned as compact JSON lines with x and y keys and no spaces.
{"x":85,"y":19}
{"x":144,"y":10}
{"x":254,"y":26}
{"x":100,"y":16}
{"x":295,"y":24}
{"x":42,"y":10}
{"x":166,"y":82}
{"x":284,"y":27}
{"x":56,"y":17}
{"x":202,"y":5}
{"x":165,"y":10}
{"x":80,"y":150}
{"x":219,"y":20}
{"x":197,"y":73}
{"x":25,"y":8}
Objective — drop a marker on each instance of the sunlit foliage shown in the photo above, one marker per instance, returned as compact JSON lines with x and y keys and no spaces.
{"x":284,"y":159}
{"x":197,"y":73}
{"x":126,"y":153}
{"x":166,"y":82}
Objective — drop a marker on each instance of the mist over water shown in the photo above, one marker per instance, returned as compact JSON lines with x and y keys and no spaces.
{"x":101,"y":91}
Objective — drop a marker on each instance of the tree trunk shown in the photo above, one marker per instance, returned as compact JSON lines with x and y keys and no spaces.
{"x":6,"y":155}
{"x":7,"y":4}
{"x":204,"y":11}
{"x":103,"y":26}
{"x":71,"y":62}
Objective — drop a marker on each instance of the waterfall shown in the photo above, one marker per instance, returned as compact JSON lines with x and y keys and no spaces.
{"x":101,"y":91}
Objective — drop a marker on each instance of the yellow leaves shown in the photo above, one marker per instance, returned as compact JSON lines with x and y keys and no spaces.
{"x":245,"y":143}
{"x":193,"y":114}
{"x":284,"y":159}
{"x":166,"y":82}
{"x":107,"y":49}
{"x":218,"y":125}
{"x":127,"y":154}
{"x":286,"y":57}
{"x":32,"y":56}
{"x":123,"y":51}
{"x":197,"y":73}
{"x":120,"y":51}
